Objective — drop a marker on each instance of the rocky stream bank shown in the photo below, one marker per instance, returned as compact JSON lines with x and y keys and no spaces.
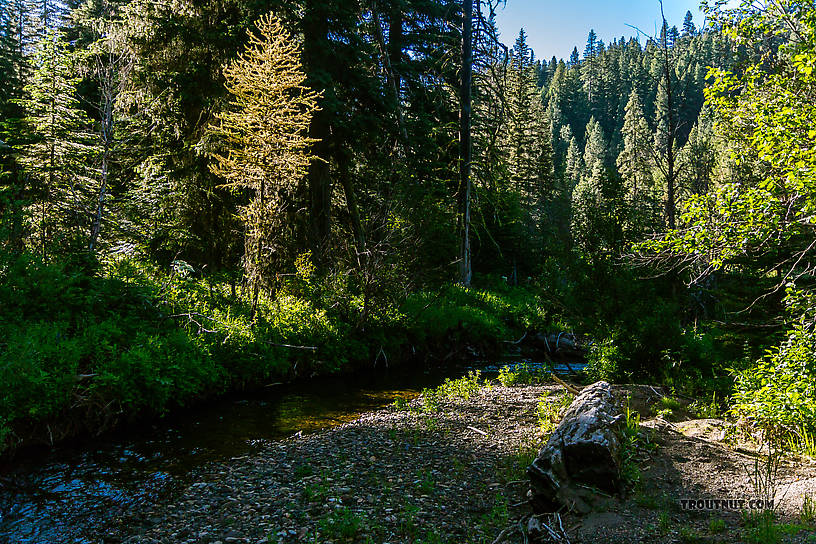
{"x":456,"y":474}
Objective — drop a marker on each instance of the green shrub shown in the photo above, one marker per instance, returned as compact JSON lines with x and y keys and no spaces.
{"x":343,"y":523}
{"x":779,"y":391}
{"x":138,"y":339}
{"x":550,"y":411}
{"x":717,"y":525}
{"x":630,"y":441}
{"x":605,"y":361}
{"x":462,"y":388}
{"x":522,"y":374}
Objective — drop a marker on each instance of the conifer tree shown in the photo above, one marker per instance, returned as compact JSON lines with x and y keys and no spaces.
{"x":575,"y":58}
{"x":13,"y":18}
{"x":698,"y":158}
{"x":574,"y":162}
{"x":106,"y":65}
{"x":689,"y":29}
{"x":57,"y":160}
{"x":7,"y":56}
{"x":44,"y":16}
{"x":526,"y":117}
{"x":635,"y":161}
{"x":263,"y":133}
{"x":588,"y":202}
{"x":590,"y":65}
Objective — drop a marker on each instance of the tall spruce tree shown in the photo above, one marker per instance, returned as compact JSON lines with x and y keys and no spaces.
{"x":635,"y":161}
{"x":524,"y":105}
{"x":698,"y":159}
{"x":689,"y":29}
{"x":588,"y":198}
{"x":574,"y":164}
{"x":57,"y":160}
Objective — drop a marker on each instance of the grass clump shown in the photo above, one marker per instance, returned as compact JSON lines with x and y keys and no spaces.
{"x":717,"y":526}
{"x":808,"y":514}
{"x":550,"y":411}
{"x":522,"y":374}
{"x":342,"y":524}
{"x":630,"y":441}
{"x":705,"y":410}
{"x":514,"y":467}
{"x":688,"y":535}
{"x":802,"y":442}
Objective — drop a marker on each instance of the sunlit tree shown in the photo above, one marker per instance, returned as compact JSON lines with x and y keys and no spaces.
{"x":263,"y":145}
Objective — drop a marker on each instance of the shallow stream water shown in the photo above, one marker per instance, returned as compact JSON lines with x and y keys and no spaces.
{"x":67,"y":494}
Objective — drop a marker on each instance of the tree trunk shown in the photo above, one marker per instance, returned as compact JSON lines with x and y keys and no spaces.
{"x":351,"y":206}
{"x":583,"y":453}
{"x":316,"y":55}
{"x":395,"y":44}
{"x":107,"y":135}
{"x":465,"y":146}
{"x":320,"y":185}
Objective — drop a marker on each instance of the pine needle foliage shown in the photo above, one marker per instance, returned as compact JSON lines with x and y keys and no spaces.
{"x":63,"y":146}
{"x":264,"y":146}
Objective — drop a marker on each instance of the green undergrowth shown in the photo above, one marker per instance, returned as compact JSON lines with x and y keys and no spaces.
{"x":550,"y":411}
{"x":92,"y":345}
{"x":523,"y":374}
{"x":451,"y":389}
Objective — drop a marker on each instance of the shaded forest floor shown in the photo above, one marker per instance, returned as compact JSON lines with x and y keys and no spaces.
{"x":455,"y":474}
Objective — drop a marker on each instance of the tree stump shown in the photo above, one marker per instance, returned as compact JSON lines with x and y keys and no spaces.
{"x":581,"y":456}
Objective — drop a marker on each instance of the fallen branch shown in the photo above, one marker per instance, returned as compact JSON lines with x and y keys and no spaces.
{"x":517,"y":342}
{"x":474,"y":429}
{"x":288,"y":346}
{"x":506,"y":532}
{"x":565,"y":385}
{"x":555,"y":532}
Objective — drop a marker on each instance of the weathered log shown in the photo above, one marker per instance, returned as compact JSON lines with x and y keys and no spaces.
{"x":581,"y":456}
{"x":562,"y":344}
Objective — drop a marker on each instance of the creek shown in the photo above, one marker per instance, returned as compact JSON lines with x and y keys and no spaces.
{"x":65,"y":494}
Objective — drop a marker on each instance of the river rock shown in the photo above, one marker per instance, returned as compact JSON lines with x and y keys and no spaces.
{"x":581,"y":455}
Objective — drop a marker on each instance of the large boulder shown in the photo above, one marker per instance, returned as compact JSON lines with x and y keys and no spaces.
{"x":581,"y":456}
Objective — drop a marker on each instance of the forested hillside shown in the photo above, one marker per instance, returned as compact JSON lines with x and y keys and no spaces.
{"x":198,"y":197}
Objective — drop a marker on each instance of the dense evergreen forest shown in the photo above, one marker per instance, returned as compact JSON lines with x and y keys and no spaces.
{"x":201,"y":197}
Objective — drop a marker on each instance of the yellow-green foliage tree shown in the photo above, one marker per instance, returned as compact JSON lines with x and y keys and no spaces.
{"x":263,"y":145}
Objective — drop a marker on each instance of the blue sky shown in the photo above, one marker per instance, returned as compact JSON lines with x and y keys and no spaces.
{"x":556,"y":26}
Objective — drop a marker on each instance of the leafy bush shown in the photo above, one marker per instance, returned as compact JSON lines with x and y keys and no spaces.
{"x":550,"y":411}
{"x":522,"y":374}
{"x":462,"y":388}
{"x":778,"y":393}
{"x":604,"y":361}
{"x":630,"y":440}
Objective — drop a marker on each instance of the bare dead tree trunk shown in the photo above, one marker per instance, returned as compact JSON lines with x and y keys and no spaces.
{"x":465,"y":144}
{"x":112,"y":65}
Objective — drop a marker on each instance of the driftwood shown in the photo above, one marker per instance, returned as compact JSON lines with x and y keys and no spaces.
{"x":561,"y":344}
{"x":581,"y":457}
